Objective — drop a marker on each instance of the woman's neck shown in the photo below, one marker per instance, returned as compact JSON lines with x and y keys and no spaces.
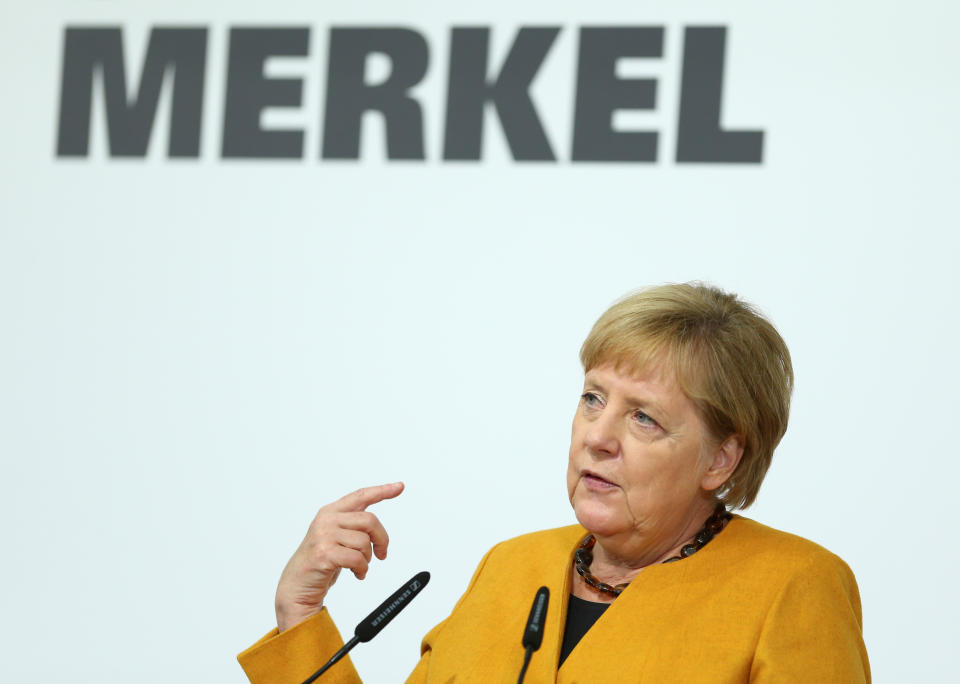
{"x":620,"y":558}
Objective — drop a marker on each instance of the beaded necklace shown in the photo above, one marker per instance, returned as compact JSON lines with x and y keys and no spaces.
{"x":583,"y":556}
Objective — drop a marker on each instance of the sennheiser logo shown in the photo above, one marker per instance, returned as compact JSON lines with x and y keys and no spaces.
{"x":176,"y":59}
{"x":535,"y":623}
{"x":411,"y":589}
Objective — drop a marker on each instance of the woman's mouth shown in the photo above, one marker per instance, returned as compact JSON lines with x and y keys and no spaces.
{"x":595,"y":482}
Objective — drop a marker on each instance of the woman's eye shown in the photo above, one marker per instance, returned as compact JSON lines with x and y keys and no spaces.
{"x":590,"y":399}
{"x":644,"y":419}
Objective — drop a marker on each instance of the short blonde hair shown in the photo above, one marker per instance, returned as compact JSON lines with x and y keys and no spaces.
{"x":728,"y":359}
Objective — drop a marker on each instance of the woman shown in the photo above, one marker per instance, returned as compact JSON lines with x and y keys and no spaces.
{"x":686,"y":394}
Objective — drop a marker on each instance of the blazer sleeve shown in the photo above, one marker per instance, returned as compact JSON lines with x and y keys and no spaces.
{"x":814,"y":629}
{"x":297,"y":653}
{"x":294,"y":655}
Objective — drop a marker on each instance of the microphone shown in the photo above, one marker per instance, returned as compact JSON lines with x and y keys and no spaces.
{"x":533,"y":634}
{"x":371,"y":625}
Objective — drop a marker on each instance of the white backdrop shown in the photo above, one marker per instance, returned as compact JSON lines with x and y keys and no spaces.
{"x":197,"y":354}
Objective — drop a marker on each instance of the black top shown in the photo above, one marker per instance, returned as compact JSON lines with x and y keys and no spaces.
{"x":581,"y":615}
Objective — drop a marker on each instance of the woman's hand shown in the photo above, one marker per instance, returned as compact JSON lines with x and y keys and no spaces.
{"x":340,"y":536}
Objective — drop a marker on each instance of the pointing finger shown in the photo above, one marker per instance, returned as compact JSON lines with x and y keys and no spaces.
{"x":367,"y":496}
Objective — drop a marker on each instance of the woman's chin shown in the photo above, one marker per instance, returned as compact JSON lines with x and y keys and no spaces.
{"x":597,"y":518}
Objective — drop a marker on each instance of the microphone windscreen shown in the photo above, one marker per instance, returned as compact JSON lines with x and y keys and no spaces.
{"x":371,"y":625}
{"x":533,"y":634}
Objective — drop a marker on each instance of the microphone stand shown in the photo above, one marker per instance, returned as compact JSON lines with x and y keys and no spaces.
{"x":526,"y":661}
{"x":334,"y":659}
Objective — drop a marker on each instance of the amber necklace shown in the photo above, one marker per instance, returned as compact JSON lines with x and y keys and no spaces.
{"x":583,"y":556}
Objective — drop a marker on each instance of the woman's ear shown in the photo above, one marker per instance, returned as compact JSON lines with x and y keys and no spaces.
{"x":726,"y":458}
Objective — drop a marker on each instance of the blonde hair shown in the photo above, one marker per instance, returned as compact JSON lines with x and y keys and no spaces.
{"x":728,"y":359}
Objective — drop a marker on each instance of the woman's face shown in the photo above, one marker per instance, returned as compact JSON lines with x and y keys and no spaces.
{"x":641,"y":459}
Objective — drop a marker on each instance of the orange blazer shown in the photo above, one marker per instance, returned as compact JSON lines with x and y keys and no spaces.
{"x":753,"y":605}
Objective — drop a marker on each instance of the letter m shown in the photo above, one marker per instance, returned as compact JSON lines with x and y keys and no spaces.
{"x":89,"y":51}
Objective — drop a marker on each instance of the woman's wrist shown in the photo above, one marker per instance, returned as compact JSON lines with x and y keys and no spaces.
{"x":290,"y":616}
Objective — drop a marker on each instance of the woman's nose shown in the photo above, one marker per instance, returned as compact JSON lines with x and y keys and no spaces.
{"x":601,"y":438}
